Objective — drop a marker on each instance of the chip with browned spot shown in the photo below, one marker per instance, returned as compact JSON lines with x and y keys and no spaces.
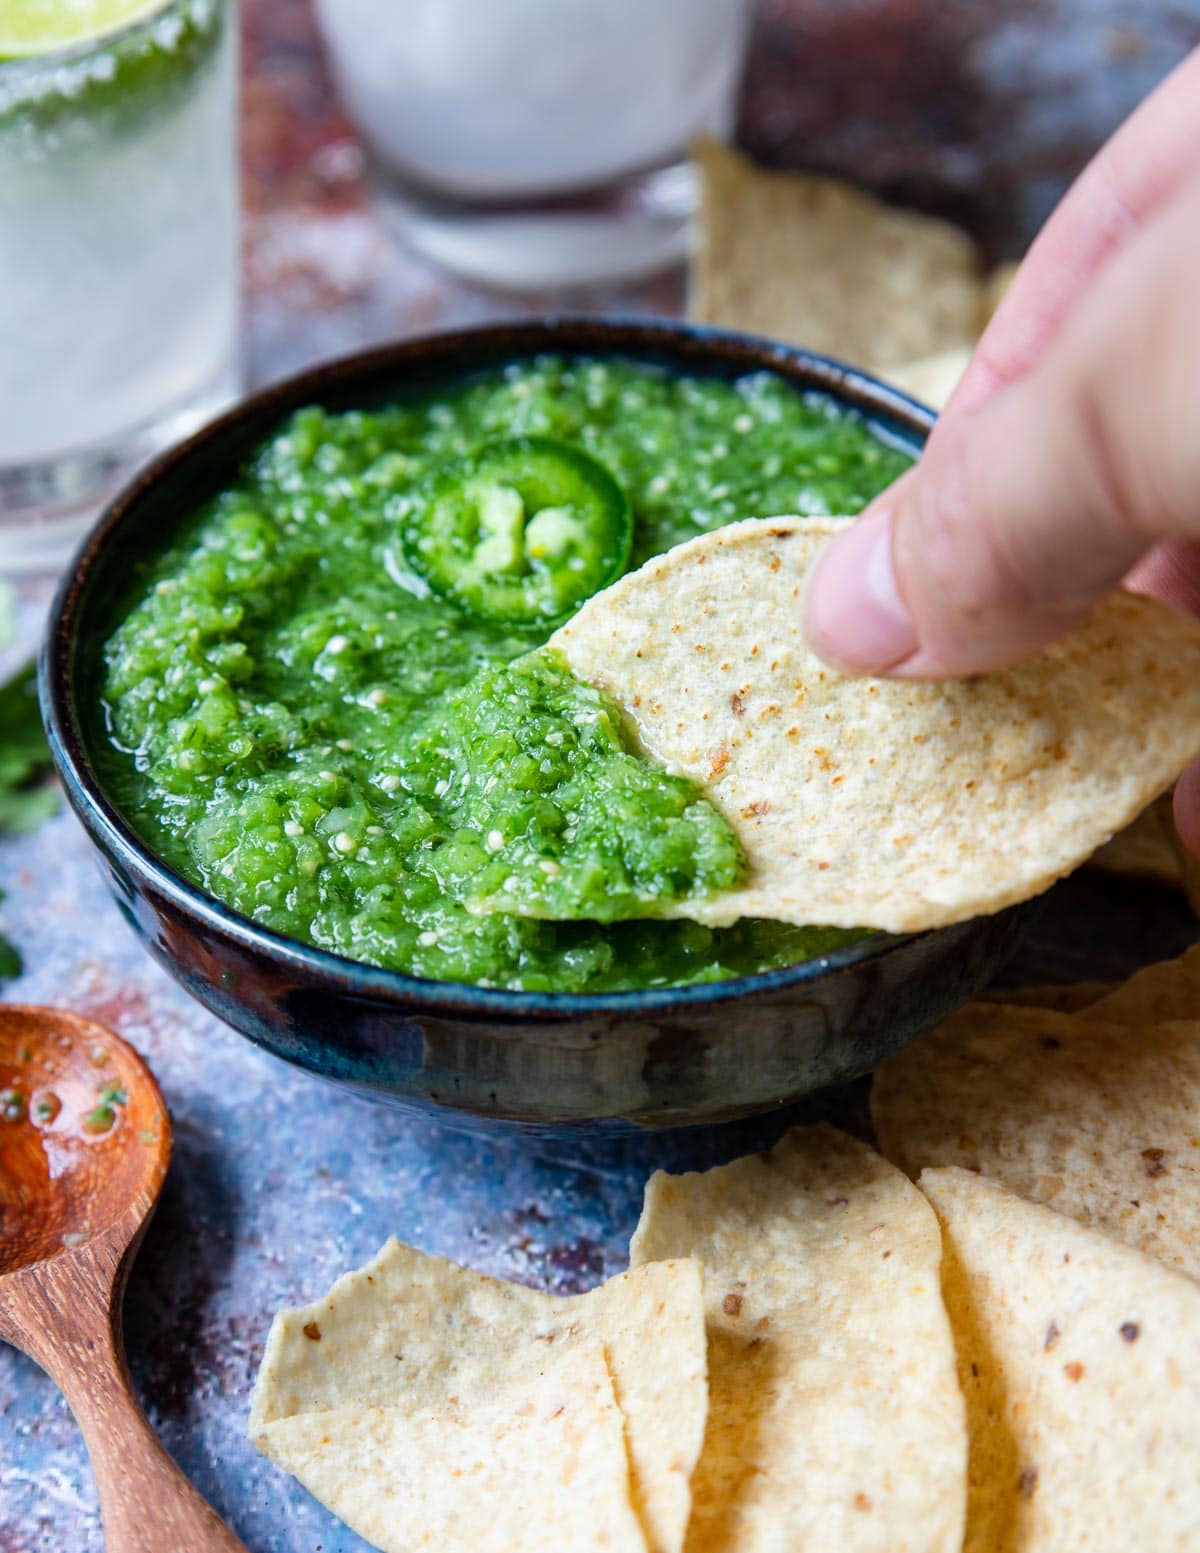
{"x":539,"y":1465}
{"x":835,"y":1419}
{"x":1080,"y":1363}
{"x":1100,"y":1120}
{"x":412,"y":1333}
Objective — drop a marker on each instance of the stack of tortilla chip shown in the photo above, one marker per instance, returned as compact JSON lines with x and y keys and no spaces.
{"x":430,"y":1406}
{"x":834,"y":1417}
{"x":1094,"y":1113}
{"x":1060,"y":1146}
{"x":810,"y":1351}
{"x":383,"y":1398}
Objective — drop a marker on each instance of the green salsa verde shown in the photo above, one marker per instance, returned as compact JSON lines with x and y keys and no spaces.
{"x":342,"y":723}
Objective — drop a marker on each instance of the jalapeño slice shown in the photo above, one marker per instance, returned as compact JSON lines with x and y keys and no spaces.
{"x":522,"y":531}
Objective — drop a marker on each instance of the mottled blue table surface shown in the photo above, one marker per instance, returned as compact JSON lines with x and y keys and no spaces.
{"x":280,"y":1183}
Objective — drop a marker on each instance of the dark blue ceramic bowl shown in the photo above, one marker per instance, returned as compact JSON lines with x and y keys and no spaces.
{"x":663,"y":1058}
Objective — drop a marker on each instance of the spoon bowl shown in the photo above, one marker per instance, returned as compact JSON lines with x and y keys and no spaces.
{"x":84,"y":1145}
{"x":84,"y":1135}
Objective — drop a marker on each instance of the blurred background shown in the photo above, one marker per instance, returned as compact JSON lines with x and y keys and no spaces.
{"x":403,"y":168}
{"x":982,"y":112}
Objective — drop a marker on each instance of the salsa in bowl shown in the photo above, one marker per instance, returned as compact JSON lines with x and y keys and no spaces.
{"x":299,"y":680}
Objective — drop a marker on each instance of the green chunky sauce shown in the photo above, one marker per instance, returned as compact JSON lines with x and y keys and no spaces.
{"x":301,"y":725}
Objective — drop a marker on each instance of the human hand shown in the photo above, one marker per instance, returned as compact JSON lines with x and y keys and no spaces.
{"x":1069,"y":458}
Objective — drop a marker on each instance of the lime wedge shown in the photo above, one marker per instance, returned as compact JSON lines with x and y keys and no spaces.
{"x":30,"y":27}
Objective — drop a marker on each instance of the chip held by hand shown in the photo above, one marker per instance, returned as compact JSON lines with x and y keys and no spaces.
{"x":875,"y":803}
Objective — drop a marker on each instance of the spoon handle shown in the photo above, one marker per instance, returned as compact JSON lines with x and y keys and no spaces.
{"x":146,"y":1502}
{"x":62,"y":1318}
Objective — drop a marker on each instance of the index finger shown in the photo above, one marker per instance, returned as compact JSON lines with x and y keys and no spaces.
{"x":1129,"y":178}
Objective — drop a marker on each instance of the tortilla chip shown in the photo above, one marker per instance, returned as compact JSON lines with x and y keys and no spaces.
{"x":1069,"y":998}
{"x":820,"y":264}
{"x":540,"y":1466}
{"x":411,"y":1331}
{"x":1099,"y":1121}
{"x":1168,"y":989}
{"x":1146,"y":849}
{"x":835,"y":1420}
{"x":995,"y":289}
{"x":932,"y":379}
{"x":876,"y":803}
{"x":1080,"y":1362}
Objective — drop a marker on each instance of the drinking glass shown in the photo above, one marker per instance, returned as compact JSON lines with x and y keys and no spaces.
{"x":118,"y":262}
{"x":535,"y":143}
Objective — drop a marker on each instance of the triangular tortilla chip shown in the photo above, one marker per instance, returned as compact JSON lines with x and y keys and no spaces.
{"x":409,"y":1330}
{"x":818,"y":263}
{"x":835,"y":1420}
{"x":1100,"y":1121}
{"x":540,"y":1466}
{"x":1080,"y":1362}
{"x":932,"y":379}
{"x":875,"y":803}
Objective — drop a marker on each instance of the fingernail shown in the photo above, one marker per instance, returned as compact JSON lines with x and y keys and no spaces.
{"x":854,"y":616}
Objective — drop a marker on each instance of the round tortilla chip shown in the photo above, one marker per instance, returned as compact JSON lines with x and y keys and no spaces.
{"x":875,"y":803}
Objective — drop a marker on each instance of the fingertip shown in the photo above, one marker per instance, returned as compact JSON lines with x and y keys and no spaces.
{"x":854,"y":615}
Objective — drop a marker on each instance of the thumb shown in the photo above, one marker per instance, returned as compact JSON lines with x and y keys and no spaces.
{"x":1021,"y":514}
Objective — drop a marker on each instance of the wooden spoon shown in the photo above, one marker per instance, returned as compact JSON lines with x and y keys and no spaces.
{"x":84,"y":1145}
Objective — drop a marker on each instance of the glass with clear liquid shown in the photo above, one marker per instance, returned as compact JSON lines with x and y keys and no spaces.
{"x":119,"y":272}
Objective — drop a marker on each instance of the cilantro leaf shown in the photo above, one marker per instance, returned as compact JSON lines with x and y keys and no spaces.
{"x":24,"y":758}
{"x":23,"y":752}
{"x":10,"y":961}
{"x":25,"y":800}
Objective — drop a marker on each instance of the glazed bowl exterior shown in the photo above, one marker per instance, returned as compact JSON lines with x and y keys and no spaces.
{"x":666,"y":1057}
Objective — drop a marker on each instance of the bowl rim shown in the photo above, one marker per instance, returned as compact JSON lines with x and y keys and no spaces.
{"x":581,"y":334}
